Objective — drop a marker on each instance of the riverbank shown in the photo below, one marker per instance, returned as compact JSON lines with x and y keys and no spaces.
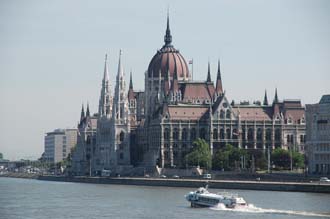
{"x":20,"y":175}
{"x":195,"y":183}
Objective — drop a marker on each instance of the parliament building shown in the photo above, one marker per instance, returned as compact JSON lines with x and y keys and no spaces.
{"x":157,"y":126}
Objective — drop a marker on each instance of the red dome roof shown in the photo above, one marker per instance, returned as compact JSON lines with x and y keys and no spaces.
{"x":168,"y":58}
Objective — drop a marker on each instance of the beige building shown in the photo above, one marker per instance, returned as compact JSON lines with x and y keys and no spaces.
{"x":318,"y":136}
{"x":58,"y":144}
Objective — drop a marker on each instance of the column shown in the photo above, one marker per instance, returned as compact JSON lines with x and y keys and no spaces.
{"x":171,"y":146}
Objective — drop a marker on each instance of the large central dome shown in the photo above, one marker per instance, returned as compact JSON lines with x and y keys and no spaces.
{"x":168,"y":59}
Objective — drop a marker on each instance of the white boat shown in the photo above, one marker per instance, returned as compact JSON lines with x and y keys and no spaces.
{"x":203,"y":198}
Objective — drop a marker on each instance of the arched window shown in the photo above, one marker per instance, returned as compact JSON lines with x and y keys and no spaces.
{"x":222,"y":134}
{"x":175,"y":134}
{"x":278,"y":135}
{"x":302,"y":139}
{"x":228,"y":114}
{"x":228,"y":134}
{"x":88,"y":140}
{"x":215,"y":134}
{"x":250,"y":134}
{"x":184,"y":134}
{"x":235,"y":134}
{"x":121,"y":136}
{"x":222,"y":114}
{"x":202,"y":133}
{"x":243,"y":134}
{"x":193,"y":134}
{"x":259,"y":134}
{"x":268,"y":135}
{"x":167,"y":134}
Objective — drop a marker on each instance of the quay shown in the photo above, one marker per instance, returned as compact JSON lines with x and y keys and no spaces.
{"x":316,"y":187}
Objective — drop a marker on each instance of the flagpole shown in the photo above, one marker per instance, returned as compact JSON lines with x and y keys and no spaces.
{"x":192,"y":70}
{"x":191,"y":62}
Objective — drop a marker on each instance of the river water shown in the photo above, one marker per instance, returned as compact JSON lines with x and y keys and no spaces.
{"x":27,"y":198}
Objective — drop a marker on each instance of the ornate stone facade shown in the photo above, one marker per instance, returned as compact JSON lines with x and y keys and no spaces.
{"x":157,"y":126}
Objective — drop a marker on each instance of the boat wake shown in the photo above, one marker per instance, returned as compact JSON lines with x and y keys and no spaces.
{"x":253,"y":209}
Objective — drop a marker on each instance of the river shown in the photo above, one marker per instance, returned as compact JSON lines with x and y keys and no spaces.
{"x":28,"y":198}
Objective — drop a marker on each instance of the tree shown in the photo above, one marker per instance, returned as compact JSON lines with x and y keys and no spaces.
{"x":259,"y":157}
{"x":200,"y":155}
{"x":1,"y":156}
{"x":282,"y":159}
{"x":298,"y":160}
{"x":228,"y":158}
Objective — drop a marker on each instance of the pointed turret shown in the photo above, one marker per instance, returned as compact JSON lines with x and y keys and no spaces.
{"x":218,"y":87}
{"x":276,"y":97}
{"x":265,"y":103}
{"x":130,"y":90}
{"x":82,"y":115}
{"x":87,"y":110}
{"x":130,"y":81}
{"x":105,"y":75}
{"x":105,"y":101}
{"x":168,"y":36}
{"x":120,"y":98}
{"x":120,"y":72}
{"x":208,"y":73}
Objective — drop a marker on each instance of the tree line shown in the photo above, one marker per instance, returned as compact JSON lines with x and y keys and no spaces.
{"x":231,"y":158}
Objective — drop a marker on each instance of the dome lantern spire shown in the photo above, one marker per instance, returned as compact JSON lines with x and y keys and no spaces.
{"x":168,"y":36}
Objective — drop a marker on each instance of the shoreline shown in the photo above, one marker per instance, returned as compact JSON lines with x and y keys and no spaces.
{"x":196,"y":183}
{"x":315,"y":187}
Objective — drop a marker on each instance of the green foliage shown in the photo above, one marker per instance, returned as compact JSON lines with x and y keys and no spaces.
{"x":199,"y":155}
{"x":227,"y":158}
{"x":282,"y":159}
{"x":260,"y":159}
{"x":298,"y":160}
{"x":1,"y":156}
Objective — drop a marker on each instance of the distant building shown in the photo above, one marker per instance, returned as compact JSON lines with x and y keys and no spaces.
{"x":58,"y":144}
{"x":318,"y":136}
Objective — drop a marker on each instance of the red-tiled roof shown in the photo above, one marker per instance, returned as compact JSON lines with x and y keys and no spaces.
{"x":252,"y":113}
{"x":197,"y":91}
{"x":186,"y":112}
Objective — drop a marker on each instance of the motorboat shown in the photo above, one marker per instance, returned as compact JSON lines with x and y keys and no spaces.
{"x":203,"y":198}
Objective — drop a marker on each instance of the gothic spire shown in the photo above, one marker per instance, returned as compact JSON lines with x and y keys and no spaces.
{"x":105,"y":76}
{"x":120,"y":66}
{"x":276,"y":97}
{"x":130,"y":81}
{"x":168,"y":36}
{"x":82,"y":115}
{"x":208,"y":73}
{"x":87,"y":110}
{"x":218,"y":88}
{"x":265,"y":103}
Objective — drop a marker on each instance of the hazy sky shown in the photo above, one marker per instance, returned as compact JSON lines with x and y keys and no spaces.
{"x":52,"y":54}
